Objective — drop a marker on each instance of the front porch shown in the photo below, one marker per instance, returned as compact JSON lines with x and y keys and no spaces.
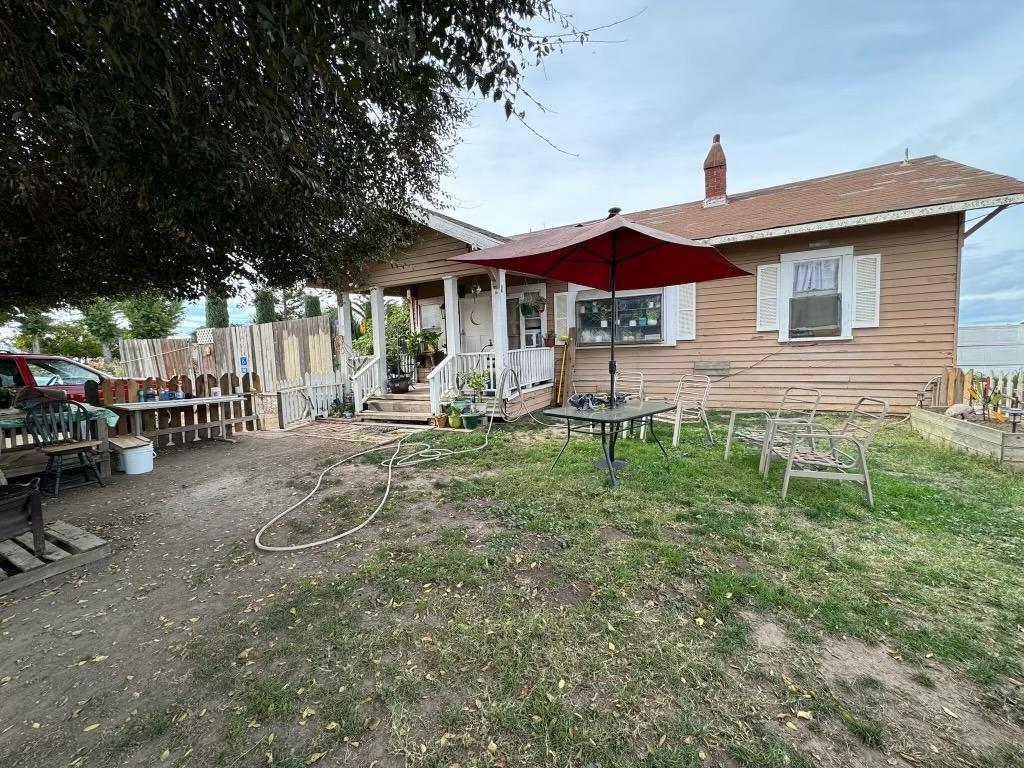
{"x":485,"y":322}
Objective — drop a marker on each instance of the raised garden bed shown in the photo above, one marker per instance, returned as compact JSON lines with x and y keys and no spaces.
{"x":979,"y":438}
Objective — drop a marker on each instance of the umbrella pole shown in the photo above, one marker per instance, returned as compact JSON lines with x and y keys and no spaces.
{"x":615,"y":325}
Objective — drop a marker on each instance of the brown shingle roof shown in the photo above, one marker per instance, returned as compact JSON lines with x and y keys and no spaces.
{"x":922,"y":181}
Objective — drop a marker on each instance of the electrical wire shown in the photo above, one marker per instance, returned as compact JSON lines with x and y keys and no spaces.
{"x":426,"y":452}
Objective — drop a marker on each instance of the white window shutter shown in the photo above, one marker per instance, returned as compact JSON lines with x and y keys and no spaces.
{"x":768,"y":297}
{"x":686,"y":311}
{"x":561,"y":317}
{"x":866,"y":293}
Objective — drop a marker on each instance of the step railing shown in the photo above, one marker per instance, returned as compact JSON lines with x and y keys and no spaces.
{"x":365,"y":382}
{"x":441,"y":380}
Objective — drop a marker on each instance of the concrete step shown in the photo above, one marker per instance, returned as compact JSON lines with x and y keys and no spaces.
{"x":381,"y":405}
{"x":396,"y":416}
{"x":422,"y":393}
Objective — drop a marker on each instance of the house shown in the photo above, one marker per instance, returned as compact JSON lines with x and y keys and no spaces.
{"x":991,"y":347}
{"x":853,"y":290}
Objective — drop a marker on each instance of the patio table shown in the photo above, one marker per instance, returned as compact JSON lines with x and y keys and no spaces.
{"x":612,"y":422}
{"x":172,"y":405}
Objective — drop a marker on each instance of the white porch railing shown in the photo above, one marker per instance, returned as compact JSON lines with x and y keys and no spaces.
{"x":365,"y":382}
{"x":355,"y":362}
{"x":535,"y":366}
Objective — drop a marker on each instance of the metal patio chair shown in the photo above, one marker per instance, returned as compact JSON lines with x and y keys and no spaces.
{"x":798,"y":405}
{"x":690,"y":398}
{"x":815,"y":451}
{"x":61,"y":430}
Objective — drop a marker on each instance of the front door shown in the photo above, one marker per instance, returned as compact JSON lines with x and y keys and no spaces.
{"x":477,"y":328}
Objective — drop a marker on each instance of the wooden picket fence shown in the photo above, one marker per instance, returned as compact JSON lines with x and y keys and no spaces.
{"x":302,"y":400}
{"x":280,"y":352}
{"x":957,"y":385}
{"x":187,"y":423}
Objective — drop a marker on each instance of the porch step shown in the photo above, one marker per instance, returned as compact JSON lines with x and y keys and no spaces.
{"x":402,"y":416}
{"x":388,"y":405}
{"x":415,"y":394}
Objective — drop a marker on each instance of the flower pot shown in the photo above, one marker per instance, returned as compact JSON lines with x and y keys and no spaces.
{"x":549,"y":342}
{"x":441,"y":421}
{"x":461,"y":404}
{"x":455,"y":420}
{"x":470,"y":420}
{"x":399,"y":385}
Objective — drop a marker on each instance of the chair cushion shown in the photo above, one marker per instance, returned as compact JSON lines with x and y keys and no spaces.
{"x":53,"y":450}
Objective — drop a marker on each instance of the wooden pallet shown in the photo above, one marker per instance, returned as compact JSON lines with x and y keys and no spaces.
{"x":67,"y":547}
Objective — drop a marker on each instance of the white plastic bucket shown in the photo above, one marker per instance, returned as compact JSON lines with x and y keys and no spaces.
{"x":137,"y":461}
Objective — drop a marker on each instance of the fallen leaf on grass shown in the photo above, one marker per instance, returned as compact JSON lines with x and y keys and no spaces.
{"x":804,"y":714}
{"x":314,"y":757}
{"x":791,"y":725}
{"x":92,"y":727}
{"x":950,"y":712}
{"x":165,"y":754}
{"x":699,"y":621}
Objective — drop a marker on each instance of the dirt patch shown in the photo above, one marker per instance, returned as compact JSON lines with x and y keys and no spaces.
{"x":105,"y":641}
{"x":766,"y":634}
{"x":612,"y":535}
{"x":937,"y":706}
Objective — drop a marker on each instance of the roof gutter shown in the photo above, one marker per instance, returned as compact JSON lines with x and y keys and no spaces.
{"x":1000,"y":203}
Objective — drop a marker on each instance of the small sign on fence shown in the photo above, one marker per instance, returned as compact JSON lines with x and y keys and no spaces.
{"x":243,"y":364}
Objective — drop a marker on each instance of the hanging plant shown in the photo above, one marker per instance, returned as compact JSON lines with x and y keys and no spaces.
{"x":526,"y":310}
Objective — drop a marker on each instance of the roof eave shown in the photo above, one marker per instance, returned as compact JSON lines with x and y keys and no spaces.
{"x":469,"y":236}
{"x":865,"y":219}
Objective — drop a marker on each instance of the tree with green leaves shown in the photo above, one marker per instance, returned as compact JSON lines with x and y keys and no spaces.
{"x":71,"y":339}
{"x":217,"y":311}
{"x":99,"y":318}
{"x":312,"y":308}
{"x":266,"y":306}
{"x":151,"y":316}
{"x":396,"y":330}
{"x":33,"y":325}
{"x":179,"y":144}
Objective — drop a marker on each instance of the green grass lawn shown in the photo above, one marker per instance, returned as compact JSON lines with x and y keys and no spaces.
{"x":510,"y":614}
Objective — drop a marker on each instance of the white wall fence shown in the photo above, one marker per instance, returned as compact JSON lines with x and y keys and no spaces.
{"x":300,"y":401}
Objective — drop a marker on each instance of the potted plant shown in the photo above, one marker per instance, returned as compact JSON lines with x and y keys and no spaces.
{"x":470,"y":420}
{"x":441,"y":419}
{"x":549,"y":339}
{"x":454,"y":417}
{"x":475,"y":380}
{"x":398,"y":379}
{"x":426,"y":351}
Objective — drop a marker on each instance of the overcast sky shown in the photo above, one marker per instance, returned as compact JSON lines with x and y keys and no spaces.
{"x":797,"y":90}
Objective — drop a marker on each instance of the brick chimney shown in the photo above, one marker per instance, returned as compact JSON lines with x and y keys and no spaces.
{"x":714,"y":174}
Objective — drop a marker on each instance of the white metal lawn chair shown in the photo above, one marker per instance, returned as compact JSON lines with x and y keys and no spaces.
{"x":690,"y":400}
{"x":798,"y":406}
{"x":815,"y":451}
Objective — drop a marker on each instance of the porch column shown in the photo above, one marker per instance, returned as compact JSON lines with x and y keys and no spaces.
{"x":345,"y":335}
{"x":379,"y":327}
{"x":453,"y":341}
{"x":499,"y":320}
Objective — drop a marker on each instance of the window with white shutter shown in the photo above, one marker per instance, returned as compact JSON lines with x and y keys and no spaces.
{"x":686,"y":311}
{"x":768,"y":297}
{"x":561,"y":317}
{"x":866,"y":295}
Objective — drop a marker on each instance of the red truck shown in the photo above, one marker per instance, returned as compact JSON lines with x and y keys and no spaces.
{"x":47,"y":372}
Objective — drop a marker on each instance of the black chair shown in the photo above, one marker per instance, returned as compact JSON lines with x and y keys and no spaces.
{"x":60,"y":429}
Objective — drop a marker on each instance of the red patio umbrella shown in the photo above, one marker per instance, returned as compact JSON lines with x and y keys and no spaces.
{"x":609,"y":255}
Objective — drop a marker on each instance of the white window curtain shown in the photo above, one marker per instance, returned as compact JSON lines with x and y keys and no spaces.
{"x":816,"y":275}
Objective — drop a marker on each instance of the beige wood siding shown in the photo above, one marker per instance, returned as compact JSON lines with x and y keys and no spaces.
{"x":425,"y":261}
{"x":915,"y":339}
